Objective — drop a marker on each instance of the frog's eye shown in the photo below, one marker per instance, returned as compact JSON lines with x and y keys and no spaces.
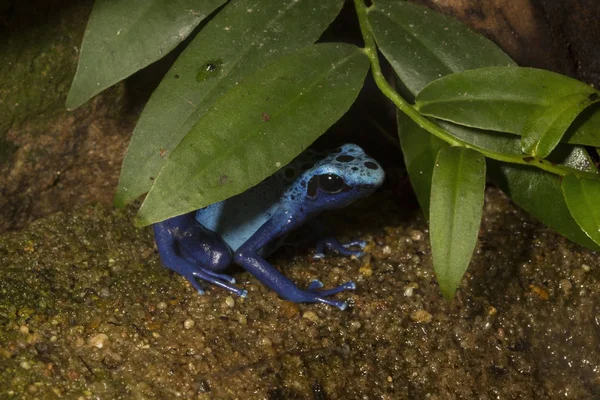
{"x":329,"y":183}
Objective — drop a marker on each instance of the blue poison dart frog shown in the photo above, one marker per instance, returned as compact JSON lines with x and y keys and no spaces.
{"x":248,"y":227}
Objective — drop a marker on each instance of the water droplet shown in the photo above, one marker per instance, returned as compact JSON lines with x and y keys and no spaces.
{"x":209,"y":69}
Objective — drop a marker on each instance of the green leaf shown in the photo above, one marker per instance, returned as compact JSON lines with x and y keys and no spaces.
{"x":420,"y":149}
{"x":458,"y":186}
{"x":419,"y":59}
{"x":539,"y":193}
{"x":256,"y":128}
{"x":123,"y":37}
{"x":546,"y":127}
{"x":575,"y":157}
{"x":423,"y":45}
{"x":501,"y":99}
{"x":582,"y":197}
{"x":536,"y":191}
{"x":236,"y":43}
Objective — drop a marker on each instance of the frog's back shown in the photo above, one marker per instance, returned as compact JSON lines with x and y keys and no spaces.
{"x":237,"y":218}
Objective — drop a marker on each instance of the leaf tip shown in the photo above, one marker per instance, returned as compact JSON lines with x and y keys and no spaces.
{"x":121,"y":198}
{"x":141,"y":220}
{"x":448,"y":290}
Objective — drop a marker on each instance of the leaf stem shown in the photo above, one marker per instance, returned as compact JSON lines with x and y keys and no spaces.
{"x":429,"y":125}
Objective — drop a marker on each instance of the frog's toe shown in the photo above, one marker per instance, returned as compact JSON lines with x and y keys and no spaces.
{"x":358,"y":243}
{"x":341,"y":288}
{"x":223,"y":277}
{"x":211,"y":278}
{"x":342,"y":305}
{"x":343,"y":249}
{"x":195,"y":284}
{"x":315,"y":284}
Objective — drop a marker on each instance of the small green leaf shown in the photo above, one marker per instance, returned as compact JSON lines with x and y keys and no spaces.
{"x":500,"y":99}
{"x":420,"y":149}
{"x":123,"y":37}
{"x":256,"y":128}
{"x":235,"y":44}
{"x":583,"y":197}
{"x":457,"y":194}
{"x":423,"y":45}
{"x":546,"y":127}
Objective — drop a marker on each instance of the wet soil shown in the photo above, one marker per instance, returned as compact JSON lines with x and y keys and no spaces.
{"x":87,"y":311}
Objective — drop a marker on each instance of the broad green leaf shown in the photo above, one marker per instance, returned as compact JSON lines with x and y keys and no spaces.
{"x":123,"y":37}
{"x":534,"y":190}
{"x":420,"y":149}
{"x":235,"y":44}
{"x":429,"y":58}
{"x":546,"y":127}
{"x":572,"y":156}
{"x":494,"y":141}
{"x":457,"y":193}
{"x":423,"y":45}
{"x":583,"y":197}
{"x":502,"y":99}
{"x":256,"y":128}
{"x":539,"y":193}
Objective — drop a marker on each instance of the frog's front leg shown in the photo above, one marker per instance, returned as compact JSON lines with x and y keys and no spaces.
{"x":247,"y":256}
{"x":195,"y":252}
{"x":332,"y":243}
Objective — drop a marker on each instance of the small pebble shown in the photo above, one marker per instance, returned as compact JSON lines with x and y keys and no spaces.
{"x":289,"y":309}
{"x":566,"y":286}
{"x":540,"y":292}
{"x":586,"y":267}
{"x":312,"y":316}
{"x":229,"y":301}
{"x":355,"y":325}
{"x":242,"y":319}
{"x":24,"y":329}
{"x":366,"y":269}
{"x":189,"y":323}
{"x":99,"y":341}
{"x":421,"y":316}
{"x":416,"y":235}
{"x":162,"y":305}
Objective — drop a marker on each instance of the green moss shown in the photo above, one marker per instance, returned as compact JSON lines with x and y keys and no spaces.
{"x":38,"y":56}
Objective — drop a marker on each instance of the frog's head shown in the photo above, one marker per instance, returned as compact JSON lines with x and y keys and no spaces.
{"x":345,"y":175}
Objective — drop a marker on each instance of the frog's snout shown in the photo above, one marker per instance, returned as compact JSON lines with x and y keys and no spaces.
{"x":375,"y":173}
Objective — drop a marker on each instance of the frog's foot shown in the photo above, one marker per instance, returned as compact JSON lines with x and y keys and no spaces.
{"x":192,"y":271}
{"x":343,"y":249}
{"x":220,"y":280}
{"x":314,"y":294}
{"x":223,"y":277}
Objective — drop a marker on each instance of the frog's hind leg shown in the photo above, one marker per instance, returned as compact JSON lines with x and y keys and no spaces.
{"x":195,"y":252}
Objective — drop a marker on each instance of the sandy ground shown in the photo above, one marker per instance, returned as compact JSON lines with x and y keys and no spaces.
{"x":87,"y":311}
